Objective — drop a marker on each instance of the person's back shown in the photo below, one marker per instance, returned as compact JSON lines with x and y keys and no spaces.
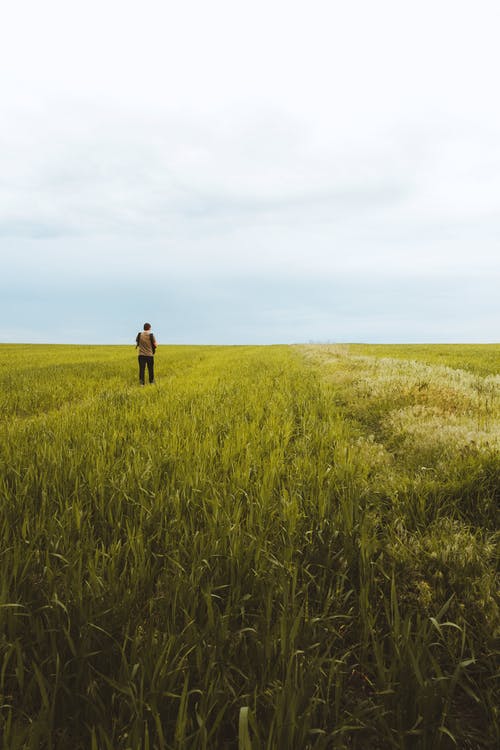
{"x":146,"y":343}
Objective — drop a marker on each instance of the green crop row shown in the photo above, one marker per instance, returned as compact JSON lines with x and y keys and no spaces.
{"x":483,"y":359}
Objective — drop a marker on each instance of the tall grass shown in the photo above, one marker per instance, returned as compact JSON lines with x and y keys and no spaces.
{"x":483,"y":359}
{"x":263,"y":551}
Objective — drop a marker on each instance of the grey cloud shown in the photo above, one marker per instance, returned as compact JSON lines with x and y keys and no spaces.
{"x":33,"y":229}
{"x":146,"y":178}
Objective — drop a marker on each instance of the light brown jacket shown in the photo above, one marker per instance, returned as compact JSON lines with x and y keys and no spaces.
{"x":144,"y":345}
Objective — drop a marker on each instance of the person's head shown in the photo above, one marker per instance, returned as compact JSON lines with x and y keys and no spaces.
{"x":147,"y":326}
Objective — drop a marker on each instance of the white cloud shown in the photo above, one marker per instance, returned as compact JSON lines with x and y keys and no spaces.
{"x":213,"y":139}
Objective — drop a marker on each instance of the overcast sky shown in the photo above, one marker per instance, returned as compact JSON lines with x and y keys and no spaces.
{"x":249,"y":172}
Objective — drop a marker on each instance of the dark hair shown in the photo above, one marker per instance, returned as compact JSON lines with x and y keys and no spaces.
{"x":147,"y":326}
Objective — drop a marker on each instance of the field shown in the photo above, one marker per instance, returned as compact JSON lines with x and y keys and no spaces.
{"x":272,"y":548}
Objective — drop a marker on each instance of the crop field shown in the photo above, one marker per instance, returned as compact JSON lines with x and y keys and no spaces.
{"x":273,"y":548}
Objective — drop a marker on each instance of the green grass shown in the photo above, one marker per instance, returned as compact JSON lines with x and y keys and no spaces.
{"x":275,"y":547}
{"x":483,"y":359}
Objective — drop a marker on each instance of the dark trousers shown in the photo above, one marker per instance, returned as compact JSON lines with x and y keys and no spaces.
{"x":150,"y":362}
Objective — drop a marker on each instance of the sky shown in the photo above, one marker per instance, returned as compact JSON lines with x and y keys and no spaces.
{"x":249,"y":172}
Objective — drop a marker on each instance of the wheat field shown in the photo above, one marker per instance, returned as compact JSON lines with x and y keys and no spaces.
{"x":272,"y":548}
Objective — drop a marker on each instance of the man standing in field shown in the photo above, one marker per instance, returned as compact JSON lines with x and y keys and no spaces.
{"x":146,"y":343}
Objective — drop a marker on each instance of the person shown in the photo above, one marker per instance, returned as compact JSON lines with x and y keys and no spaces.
{"x":146,"y":343}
